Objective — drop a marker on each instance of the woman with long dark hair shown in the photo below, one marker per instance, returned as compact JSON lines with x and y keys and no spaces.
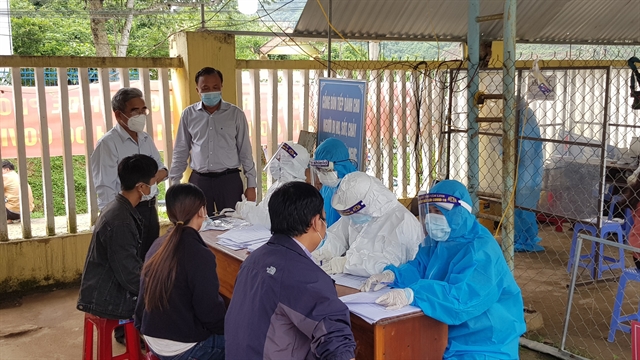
{"x":179,"y":310}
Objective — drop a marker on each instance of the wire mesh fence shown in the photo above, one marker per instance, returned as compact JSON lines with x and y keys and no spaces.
{"x":573,"y":155}
{"x":575,"y":146}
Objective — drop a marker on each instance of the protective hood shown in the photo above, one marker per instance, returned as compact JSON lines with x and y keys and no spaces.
{"x":293,"y":160}
{"x":359,"y":187}
{"x":461,"y":220}
{"x":335,"y":150}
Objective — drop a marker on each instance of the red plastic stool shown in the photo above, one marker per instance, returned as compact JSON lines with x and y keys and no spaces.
{"x":105,"y":337}
{"x":150,"y":356}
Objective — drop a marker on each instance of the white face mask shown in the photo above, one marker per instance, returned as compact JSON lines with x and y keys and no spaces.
{"x":137,"y":123}
{"x":437,"y":227}
{"x":207,"y":221}
{"x":275,"y":170}
{"x":153,"y":190}
{"x":328,"y":178}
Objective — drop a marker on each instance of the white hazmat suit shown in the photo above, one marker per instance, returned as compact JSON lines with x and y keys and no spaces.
{"x":288,"y":164}
{"x":375,"y":230}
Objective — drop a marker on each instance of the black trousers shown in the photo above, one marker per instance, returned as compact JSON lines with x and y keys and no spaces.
{"x":12,"y":216}
{"x":222,"y":192}
{"x":150,"y":225}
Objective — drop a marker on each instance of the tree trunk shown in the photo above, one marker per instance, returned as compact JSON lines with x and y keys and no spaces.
{"x":123,"y":45}
{"x":98,"y":28}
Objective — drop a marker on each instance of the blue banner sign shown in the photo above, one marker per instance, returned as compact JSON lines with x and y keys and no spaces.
{"x":341,"y":115}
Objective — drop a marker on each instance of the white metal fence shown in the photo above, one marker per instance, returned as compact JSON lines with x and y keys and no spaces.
{"x":87,"y":132}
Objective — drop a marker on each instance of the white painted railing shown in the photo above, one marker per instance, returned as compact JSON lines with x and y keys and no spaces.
{"x":55,"y":106}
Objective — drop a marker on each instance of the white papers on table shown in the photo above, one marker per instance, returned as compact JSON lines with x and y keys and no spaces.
{"x":348,"y":280}
{"x":363,"y":304}
{"x":245,"y":237}
{"x":253,"y":247}
{"x":246,"y":234}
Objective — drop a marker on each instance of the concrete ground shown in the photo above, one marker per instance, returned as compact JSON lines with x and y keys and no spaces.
{"x":39,"y":226}
{"x":543,"y":279}
{"x":48,"y":326}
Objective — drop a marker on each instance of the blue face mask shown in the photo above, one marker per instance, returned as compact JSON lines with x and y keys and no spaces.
{"x":322,"y":239}
{"x":360,"y":219}
{"x":437,"y":227}
{"x":211,"y":98}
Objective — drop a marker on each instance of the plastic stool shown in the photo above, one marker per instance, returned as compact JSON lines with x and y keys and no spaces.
{"x":105,"y":329}
{"x":150,"y":356}
{"x":604,"y":262}
{"x":616,"y":319}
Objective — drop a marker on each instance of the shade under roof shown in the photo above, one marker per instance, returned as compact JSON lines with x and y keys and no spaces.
{"x":541,"y":21}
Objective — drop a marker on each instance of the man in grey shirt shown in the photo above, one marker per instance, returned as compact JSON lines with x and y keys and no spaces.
{"x":215,"y":134}
{"x":125,"y":139}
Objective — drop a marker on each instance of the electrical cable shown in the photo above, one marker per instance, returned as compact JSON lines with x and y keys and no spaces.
{"x":336,"y":30}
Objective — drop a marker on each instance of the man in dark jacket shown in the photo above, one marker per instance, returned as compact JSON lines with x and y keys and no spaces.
{"x":111,"y":276}
{"x":284,"y":305}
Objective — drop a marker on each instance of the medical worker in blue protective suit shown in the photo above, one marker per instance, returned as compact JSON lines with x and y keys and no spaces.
{"x":529,"y":184}
{"x":460,"y":278}
{"x":335,"y":151}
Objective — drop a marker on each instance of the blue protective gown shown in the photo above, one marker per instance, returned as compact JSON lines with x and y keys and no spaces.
{"x":336,"y":151}
{"x":530,"y":171}
{"x":465,"y":282}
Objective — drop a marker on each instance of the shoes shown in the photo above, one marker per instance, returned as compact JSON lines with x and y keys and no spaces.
{"x":13,"y":221}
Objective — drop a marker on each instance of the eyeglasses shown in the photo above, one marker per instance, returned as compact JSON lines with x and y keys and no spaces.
{"x":138,"y":112}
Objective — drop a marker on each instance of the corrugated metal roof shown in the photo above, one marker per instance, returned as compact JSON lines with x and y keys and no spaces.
{"x":543,"y":21}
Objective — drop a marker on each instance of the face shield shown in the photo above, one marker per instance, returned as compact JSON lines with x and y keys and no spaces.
{"x":325,"y":171}
{"x":282,"y":160}
{"x":431,"y":207}
{"x":354,"y":214}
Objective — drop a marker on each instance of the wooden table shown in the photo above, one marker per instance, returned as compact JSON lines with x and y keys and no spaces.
{"x":412,"y":336}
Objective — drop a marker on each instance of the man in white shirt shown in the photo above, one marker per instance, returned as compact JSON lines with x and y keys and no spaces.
{"x":215,"y":134}
{"x":125,"y":139}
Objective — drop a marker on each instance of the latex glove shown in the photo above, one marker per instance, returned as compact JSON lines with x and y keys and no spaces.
{"x":322,"y":255}
{"x":396,"y":299}
{"x":335,"y":265}
{"x":380,"y":280}
{"x":244,"y":207}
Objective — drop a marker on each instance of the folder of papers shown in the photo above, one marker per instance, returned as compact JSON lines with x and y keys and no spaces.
{"x":348,"y":280}
{"x":364,"y":305}
{"x":245,"y":237}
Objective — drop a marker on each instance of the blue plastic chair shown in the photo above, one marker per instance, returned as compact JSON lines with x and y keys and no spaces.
{"x":617,"y":319}
{"x":609,"y":226}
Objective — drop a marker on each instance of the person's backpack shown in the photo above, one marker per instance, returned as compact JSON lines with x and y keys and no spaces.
{"x":635,"y":75}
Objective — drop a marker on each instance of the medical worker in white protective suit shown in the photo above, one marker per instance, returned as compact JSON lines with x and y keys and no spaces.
{"x":288,"y":164}
{"x":375,"y":230}
{"x":460,"y":278}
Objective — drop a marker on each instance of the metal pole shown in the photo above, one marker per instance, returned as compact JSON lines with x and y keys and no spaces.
{"x":449,"y":125}
{"x":202,"y":15}
{"x":572,"y":286}
{"x":509,"y":130}
{"x":473,"y":46}
{"x":603,"y":170}
{"x":329,"y":39}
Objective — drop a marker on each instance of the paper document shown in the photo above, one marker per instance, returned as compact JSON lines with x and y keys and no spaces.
{"x":246,"y":234}
{"x":364,"y":297}
{"x":363,"y":304}
{"x":348,"y":280}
